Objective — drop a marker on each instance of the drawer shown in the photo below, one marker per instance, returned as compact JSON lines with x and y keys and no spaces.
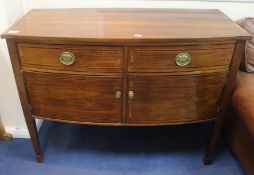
{"x":75,"y":97}
{"x":163,"y":59}
{"x":161,"y":99}
{"x":71,"y":57}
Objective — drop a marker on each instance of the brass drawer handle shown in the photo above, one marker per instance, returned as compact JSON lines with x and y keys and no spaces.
{"x":183,"y":59}
{"x":130,"y":95}
{"x":67,"y":58}
{"x":118,"y":94}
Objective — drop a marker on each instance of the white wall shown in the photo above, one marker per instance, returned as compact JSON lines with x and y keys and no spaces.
{"x":235,"y":10}
{"x":10,"y":108}
{"x":11,"y":10}
{"x":11,"y":113}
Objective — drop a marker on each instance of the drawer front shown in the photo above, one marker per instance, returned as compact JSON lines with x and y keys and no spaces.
{"x":74,"y":97}
{"x":87,"y":58}
{"x":163,"y":59}
{"x":165,"y":99}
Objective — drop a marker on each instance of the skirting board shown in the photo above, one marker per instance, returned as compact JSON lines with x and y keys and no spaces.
{"x":22,"y":132}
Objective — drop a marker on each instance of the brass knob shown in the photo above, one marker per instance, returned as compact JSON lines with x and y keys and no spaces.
{"x":118,"y":94}
{"x":183,"y":59}
{"x":130,"y":95}
{"x":67,"y":58}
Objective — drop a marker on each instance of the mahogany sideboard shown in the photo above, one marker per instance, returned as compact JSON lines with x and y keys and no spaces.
{"x":125,"y":67}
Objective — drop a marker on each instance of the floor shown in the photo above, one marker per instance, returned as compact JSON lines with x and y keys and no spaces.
{"x":79,"y":150}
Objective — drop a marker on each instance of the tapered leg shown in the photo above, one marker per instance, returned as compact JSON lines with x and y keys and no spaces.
{"x":30,"y":121}
{"x":35,"y":139}
{"x":226,"y":97}
{"x":208,"y":158}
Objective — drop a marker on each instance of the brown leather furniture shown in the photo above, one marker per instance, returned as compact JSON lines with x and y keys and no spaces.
{"x":240,"y":122}
{"x":239,"y":128}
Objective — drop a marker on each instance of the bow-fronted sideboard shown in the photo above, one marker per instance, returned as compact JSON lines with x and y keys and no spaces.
{"x":125,"y":67}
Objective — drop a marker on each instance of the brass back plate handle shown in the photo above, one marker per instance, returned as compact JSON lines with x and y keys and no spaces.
{"x":183,"y":59}
{"x":67,"y":58}
{"x":118,"y":95}
{"x":130,"y":95}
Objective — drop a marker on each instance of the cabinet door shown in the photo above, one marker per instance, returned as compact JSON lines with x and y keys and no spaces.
{"x":75,"y":97}
{"x":161,"y":99}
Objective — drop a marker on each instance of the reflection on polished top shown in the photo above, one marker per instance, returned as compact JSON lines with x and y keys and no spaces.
{"x":126,"y":24}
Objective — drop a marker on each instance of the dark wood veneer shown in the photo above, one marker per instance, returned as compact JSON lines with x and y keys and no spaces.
{"x":74,"y":97}
{"x":125,"y":50}
{"x":176,"y":99}
{"x":162,"y":59}
{"x":121,"y":25}
{"x":88,"y":58}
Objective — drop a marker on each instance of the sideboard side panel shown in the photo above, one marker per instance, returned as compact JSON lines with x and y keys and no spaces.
{"x":30,"y":121}
{"x":225,"y":100}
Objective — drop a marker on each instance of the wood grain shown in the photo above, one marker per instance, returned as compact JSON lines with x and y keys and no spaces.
{"x":225,"y":99}
{"x":74,"y":97}
{"x":30,"y":121}
{"x":165,"y":99}
{"x":125,"y":50}
{"x":88,"y":58}
{"x":126,"y":25}
{"x":162,"y":59}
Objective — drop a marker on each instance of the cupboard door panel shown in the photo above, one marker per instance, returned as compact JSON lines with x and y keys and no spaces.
{"x":174,"y":99}
{"x":74,"y":97}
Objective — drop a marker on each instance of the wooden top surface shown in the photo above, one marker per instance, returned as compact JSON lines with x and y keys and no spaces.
{"x":126,"y":25}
